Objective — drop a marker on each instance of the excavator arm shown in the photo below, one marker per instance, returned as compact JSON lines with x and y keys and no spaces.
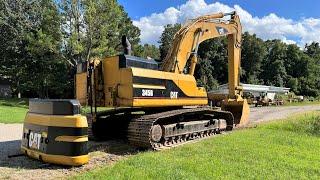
{"x":185,"y":47}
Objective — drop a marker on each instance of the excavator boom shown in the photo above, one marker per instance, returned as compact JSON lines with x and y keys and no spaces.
{"x":185,"y":46}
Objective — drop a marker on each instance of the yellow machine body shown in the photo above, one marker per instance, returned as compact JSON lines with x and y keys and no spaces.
{"x":139,"y":87}
{"x":127,"y":81}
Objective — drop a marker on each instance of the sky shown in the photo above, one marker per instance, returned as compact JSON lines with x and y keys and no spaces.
{"x":292,"y":21}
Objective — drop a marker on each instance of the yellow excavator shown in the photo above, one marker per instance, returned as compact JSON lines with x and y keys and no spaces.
{"x":152,"y":106}
{"x":156,"y":107}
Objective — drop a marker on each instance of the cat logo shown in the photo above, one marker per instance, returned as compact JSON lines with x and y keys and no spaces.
{"x":34,"y":140}
{"x":173,"y":95}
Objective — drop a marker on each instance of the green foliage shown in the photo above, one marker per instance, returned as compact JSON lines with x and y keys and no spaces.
{"x":253,"y":53}
{"x":293,"y":84}
{"x":35,"y":48}
{"x":279,"y":150}
{"x":167,"y":38}
{"x":146,"y":51}
{"x":103,"y":34}
{"x":204,"y":75}
{"x":214,"y":51}
{"x":274,"y":72}
{"x":42,"y":41}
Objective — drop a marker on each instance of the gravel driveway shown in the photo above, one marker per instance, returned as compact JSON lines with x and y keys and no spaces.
{"x":273,"y":113}
{"x":101,"y":153}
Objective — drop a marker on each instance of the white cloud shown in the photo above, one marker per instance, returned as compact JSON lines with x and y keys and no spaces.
{"x":268,"y":27}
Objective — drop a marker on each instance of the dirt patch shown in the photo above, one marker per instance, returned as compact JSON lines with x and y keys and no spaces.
{"x":101,"y":153}
{"x":22,"y":167}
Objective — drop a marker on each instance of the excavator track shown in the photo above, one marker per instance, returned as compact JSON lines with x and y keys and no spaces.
{"x":157,"y":131}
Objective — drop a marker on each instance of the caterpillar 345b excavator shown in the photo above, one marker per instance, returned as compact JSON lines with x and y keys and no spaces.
{"x":157,"y":107}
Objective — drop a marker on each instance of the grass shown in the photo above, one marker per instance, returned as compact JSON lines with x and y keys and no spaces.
{"x":86,"y":109}
{"x":14,"y":102}
{"x":303,"y":103}
{"x":287,"y":149}
{"x":13,"y":110}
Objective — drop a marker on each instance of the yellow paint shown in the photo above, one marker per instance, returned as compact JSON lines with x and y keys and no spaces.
{"x":145,"y":86}
{"x":72,"y":138}
{"x":44,"y":134}
{"x":56,"y":159}
{"x":185,"y":82}
{"x":154,"y":102}
{"x":81,"y":88}
{"x":56,"y":120}
{"x":239,"y":108}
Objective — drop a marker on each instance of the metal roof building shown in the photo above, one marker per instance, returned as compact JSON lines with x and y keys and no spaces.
{"x":252,"y":88}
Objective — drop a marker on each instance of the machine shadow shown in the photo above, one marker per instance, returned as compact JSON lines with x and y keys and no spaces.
{"x":12,"y":148}
{"x":118,"y":147}
{"x":18,"y":161}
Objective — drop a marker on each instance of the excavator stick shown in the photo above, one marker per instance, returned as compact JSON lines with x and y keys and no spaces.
{"x":240,"y":110}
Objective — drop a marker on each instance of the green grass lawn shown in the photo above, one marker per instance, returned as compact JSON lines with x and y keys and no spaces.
{"x":287,"y":149}
{"x":86,"y":109}
{"x":9,"y":114}
{"x":303,"y":103}
{"x":13,"y":110}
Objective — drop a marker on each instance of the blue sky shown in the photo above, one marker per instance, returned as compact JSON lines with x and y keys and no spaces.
{"x":293,"y":9}
{"x":292,"y":21}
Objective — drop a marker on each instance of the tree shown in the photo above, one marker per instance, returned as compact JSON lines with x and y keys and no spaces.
{"x":17,"y":19}
{"x":252,"y":54}
{"x":72,"y":24}
{"x":215,"y":52}
{"x":204,"y":75}
{"x":295,"y":61}
{"x":293,"y":84}
{"x":274,"y":71}
{"x":44,"y":51}
{"x":104,"y":33}
{"x":310,"y":83}
{"x":147,"y":50}
{"x":166,"y":38}
{"x":313,"y":50}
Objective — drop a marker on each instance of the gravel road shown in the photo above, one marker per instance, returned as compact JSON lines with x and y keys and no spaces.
{"x":101,"y":153}
{"x":260,"y":114}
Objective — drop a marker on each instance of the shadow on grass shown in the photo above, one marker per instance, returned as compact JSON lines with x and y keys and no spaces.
{"x":116,"y":147}
{"x":110,"y":148}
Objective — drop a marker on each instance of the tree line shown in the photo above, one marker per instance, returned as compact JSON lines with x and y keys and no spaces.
{"x":42,"y":42}
{"x":269,"y":62}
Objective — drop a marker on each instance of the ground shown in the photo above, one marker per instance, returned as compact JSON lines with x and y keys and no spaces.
{"x":112,"y":151}
{"x":13,"y":110}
